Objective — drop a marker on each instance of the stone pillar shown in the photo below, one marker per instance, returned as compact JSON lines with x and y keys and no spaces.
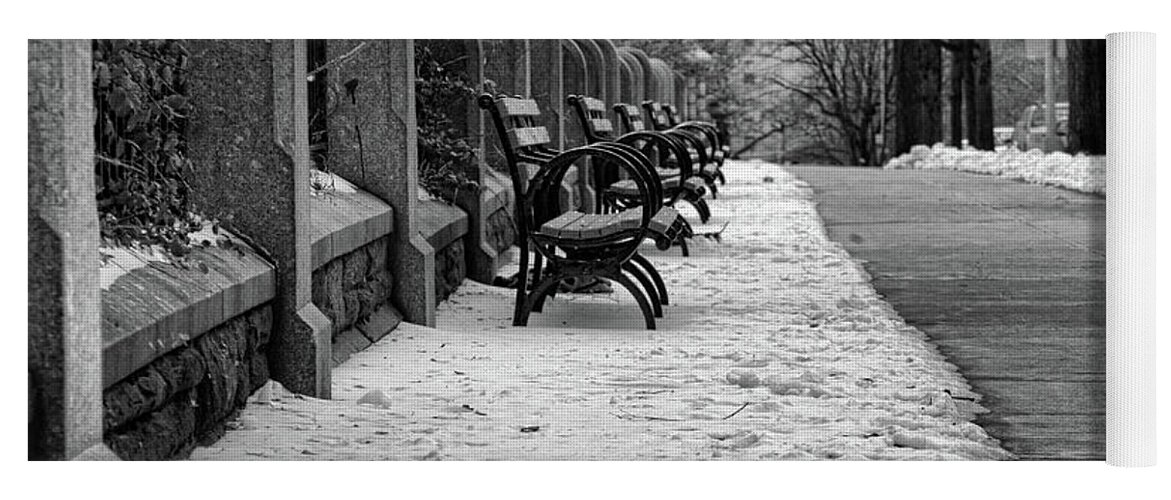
{"x":638,"y":77}
{"x":591,"y":55}
{"x":64,"y":302}
{"x":649,"y":83}
{"x":626,"y":91}
{"x":692,"y":112}
{"x":545,"y":70}
{"x":466,"y":57}
{"x":611,"y":72}
{"x":506,"y":64}
{"x":250,"y":149}
{"x":576,"y":79}
{"x":680,"y":97}
{"x":664,"y":81}
{"x":654,"y":82}
{"x":373,"y":143}
{"x":545,"y":86}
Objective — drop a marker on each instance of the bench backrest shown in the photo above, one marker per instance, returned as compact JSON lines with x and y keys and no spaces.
{"x":591,"y":113}
{"x":516,"y":120}
{"x":672,"y":114}
{"x":630,"y":116}
{"x":656,"y":114}
{"x":520,"y":116}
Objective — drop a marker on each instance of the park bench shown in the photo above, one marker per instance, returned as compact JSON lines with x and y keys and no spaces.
{"x":571,"y":244}
{"x":663,"y":117}
{"x":667,"y":116}
{"x":669,"y":154}
{"x":702,"y":160}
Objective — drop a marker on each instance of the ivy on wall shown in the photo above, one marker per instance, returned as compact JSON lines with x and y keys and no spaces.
{"x":142,"y":111}
{"x":443,"y":151}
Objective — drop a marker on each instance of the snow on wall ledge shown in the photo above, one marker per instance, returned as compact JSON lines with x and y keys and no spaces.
{"x":1079,"y":173}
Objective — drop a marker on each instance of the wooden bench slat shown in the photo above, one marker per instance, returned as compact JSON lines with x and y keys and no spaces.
{"x":513,"y":106}
{"x":574,"y":229}
{"x":667,"y":173}
{"x":602,"y":125}
{"x":629,"y":188}
{"x":576,"y":225}
{"x":631,"y":110}
{"x":594,"y":104}
{"x":528,"y":136}
{"x":553,"y":227}
{"x":599,"y":225}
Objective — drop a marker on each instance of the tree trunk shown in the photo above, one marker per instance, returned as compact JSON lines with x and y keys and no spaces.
{"x":1087,"y":96}
{"x":981,"y":113}
{"x":917,"y":66}
{"x":959,"y":70}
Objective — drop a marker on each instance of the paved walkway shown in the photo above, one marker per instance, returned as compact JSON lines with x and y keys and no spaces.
{"x":1007,"y":278}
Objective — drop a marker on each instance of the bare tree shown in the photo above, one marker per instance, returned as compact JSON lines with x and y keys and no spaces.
{"x":846,"y":83}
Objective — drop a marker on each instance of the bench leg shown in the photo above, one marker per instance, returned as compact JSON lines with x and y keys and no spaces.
{"x":648,"y":288}
{"x":520,"y":315}
{"x":522,"y":319}
{"x":538,"y":268}
{"x":647,"y":313}
{"x":539,"y":305}
{"x":655,"y":277}
{"x":682,"y":242}
{"x":705,"y":213}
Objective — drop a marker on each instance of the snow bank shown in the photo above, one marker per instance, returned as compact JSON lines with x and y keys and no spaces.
{"x":774,"y":347}
{"x":1080,"y":173}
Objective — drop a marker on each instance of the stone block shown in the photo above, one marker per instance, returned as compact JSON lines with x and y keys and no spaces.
{"x":382,"y":321}
{"x":146,"y":413}
{"x":347,"y":344}
{"x":315,"y":327}
{"x":164,"y":434}
{"x":449,"y":269}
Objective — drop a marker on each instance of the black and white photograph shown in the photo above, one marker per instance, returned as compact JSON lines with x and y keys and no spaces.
{"x":602,"y":250}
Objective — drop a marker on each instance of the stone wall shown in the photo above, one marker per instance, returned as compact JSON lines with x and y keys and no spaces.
{"x":349,"y":288}
{"x":450,"y":269}
{"x":158,"y":360}
{"x":501,"y":229}
{"x":183,"y":398}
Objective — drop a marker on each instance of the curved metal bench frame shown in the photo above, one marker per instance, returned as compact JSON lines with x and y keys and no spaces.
{"x":611,"y":255}
{"x":705,"y":135}
{"x":669,"y":149}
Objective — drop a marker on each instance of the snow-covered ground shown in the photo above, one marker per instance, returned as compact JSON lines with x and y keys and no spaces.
{"x":1080,"y":173}
{"x":774,"y":347}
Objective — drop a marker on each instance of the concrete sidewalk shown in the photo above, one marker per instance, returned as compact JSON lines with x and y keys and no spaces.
{"x":1008,"y":278}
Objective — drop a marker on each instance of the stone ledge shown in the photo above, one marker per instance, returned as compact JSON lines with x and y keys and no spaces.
{"x":440,"y":223}
{"x":495,"y":192}
{"x":341,"y":222}
{"x":151,"y":310}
